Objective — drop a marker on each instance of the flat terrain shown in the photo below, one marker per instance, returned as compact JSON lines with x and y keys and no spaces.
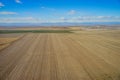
{"x":7,"y":39}
{"x":83,"y":55}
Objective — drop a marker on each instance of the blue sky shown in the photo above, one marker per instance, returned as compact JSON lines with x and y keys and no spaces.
{"x":40,"y":11}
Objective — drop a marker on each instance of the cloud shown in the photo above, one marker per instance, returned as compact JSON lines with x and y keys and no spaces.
{"x":105,"y":17}
{"x":7,"y":13}
{"x":91,"y":19}
{"x":97,"y":18}
{"x":61,"y":19}
{"x":109,"y":17}
{"x":20,"y":20}
{"x":18,"y":1}
{"x":71,"y":12}
{"x":47,"y":8}
{"x":1,"y":4}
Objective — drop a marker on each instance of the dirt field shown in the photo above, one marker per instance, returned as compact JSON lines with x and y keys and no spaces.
{"x":7,"y":39}
{"x":85,"y":55}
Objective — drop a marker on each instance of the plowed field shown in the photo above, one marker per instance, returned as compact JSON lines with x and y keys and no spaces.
{"x":74,"y":56}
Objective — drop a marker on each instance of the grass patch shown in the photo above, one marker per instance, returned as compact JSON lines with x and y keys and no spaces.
{"x":34,"y":31}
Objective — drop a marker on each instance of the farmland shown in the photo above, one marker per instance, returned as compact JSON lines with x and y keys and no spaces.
{"x":7,"y":39}
{"x":81,"y":55}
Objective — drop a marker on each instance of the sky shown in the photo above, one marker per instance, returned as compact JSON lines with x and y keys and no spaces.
{"x":53,"y":11}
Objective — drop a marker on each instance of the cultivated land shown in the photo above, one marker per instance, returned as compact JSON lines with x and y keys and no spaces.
{"x":7,"y":39}
{"x":82,"y":55}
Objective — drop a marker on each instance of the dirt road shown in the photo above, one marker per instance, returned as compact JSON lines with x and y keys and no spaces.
{"x":61,"y":57}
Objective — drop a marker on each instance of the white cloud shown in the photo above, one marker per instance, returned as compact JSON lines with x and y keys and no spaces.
{"x":71,"y":12}
{"x":47,"y":8}
{"x":100,"y":17}
{"x":20,"y":20}
{"x":61,"y":19}
{"x":7,"y":13}
{"x":18,"y":1}
{"x":91,"y":19}
{"x":105,"y":17}
{"x":1,"y":4}
{"x":97,"y":17}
